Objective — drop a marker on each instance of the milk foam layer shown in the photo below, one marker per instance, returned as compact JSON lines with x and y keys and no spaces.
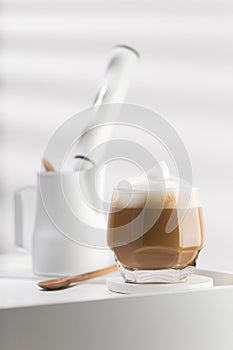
{"x":156,"y":189}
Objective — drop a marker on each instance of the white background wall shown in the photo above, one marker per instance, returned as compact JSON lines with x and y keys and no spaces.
{"x":54,"y":52}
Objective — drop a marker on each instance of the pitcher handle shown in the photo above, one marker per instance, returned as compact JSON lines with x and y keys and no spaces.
{"x":24,"y":225}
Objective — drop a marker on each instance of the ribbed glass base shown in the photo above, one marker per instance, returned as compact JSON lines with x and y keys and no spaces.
{"x":155,"y":276}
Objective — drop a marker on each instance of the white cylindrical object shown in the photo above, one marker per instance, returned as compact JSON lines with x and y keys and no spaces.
{"x":115,"y":83}
{"x":113,"y":89}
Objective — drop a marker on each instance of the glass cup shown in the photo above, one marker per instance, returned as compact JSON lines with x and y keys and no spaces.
{"x":156,"y":236}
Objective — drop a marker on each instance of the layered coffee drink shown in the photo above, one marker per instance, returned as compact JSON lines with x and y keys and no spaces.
{"x":156,"y":236}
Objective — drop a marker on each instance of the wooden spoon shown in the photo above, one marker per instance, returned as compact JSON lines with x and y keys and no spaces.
{"x":64,"y":282}
{"x":48,"y":166}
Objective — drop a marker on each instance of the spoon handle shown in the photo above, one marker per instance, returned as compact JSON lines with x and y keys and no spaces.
{"x":48,"y":166}
{"x":92,"y":274}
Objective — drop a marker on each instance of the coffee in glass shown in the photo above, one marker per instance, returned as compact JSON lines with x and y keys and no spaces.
{"x":155,"y":235}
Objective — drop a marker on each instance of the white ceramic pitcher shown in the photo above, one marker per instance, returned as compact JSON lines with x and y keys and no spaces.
{"x":58,"y":246}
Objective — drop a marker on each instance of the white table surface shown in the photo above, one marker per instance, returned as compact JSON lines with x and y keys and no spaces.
{"x":88,"y":316}
{"x":18,"y":286}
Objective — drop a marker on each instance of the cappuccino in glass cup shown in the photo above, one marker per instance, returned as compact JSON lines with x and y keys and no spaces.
{"x":156,"y":235}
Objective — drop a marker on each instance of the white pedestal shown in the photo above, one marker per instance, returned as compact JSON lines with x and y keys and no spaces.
{"x":194,"y":282}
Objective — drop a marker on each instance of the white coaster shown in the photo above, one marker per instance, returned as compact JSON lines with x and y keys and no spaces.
{"x":194,"y":282}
